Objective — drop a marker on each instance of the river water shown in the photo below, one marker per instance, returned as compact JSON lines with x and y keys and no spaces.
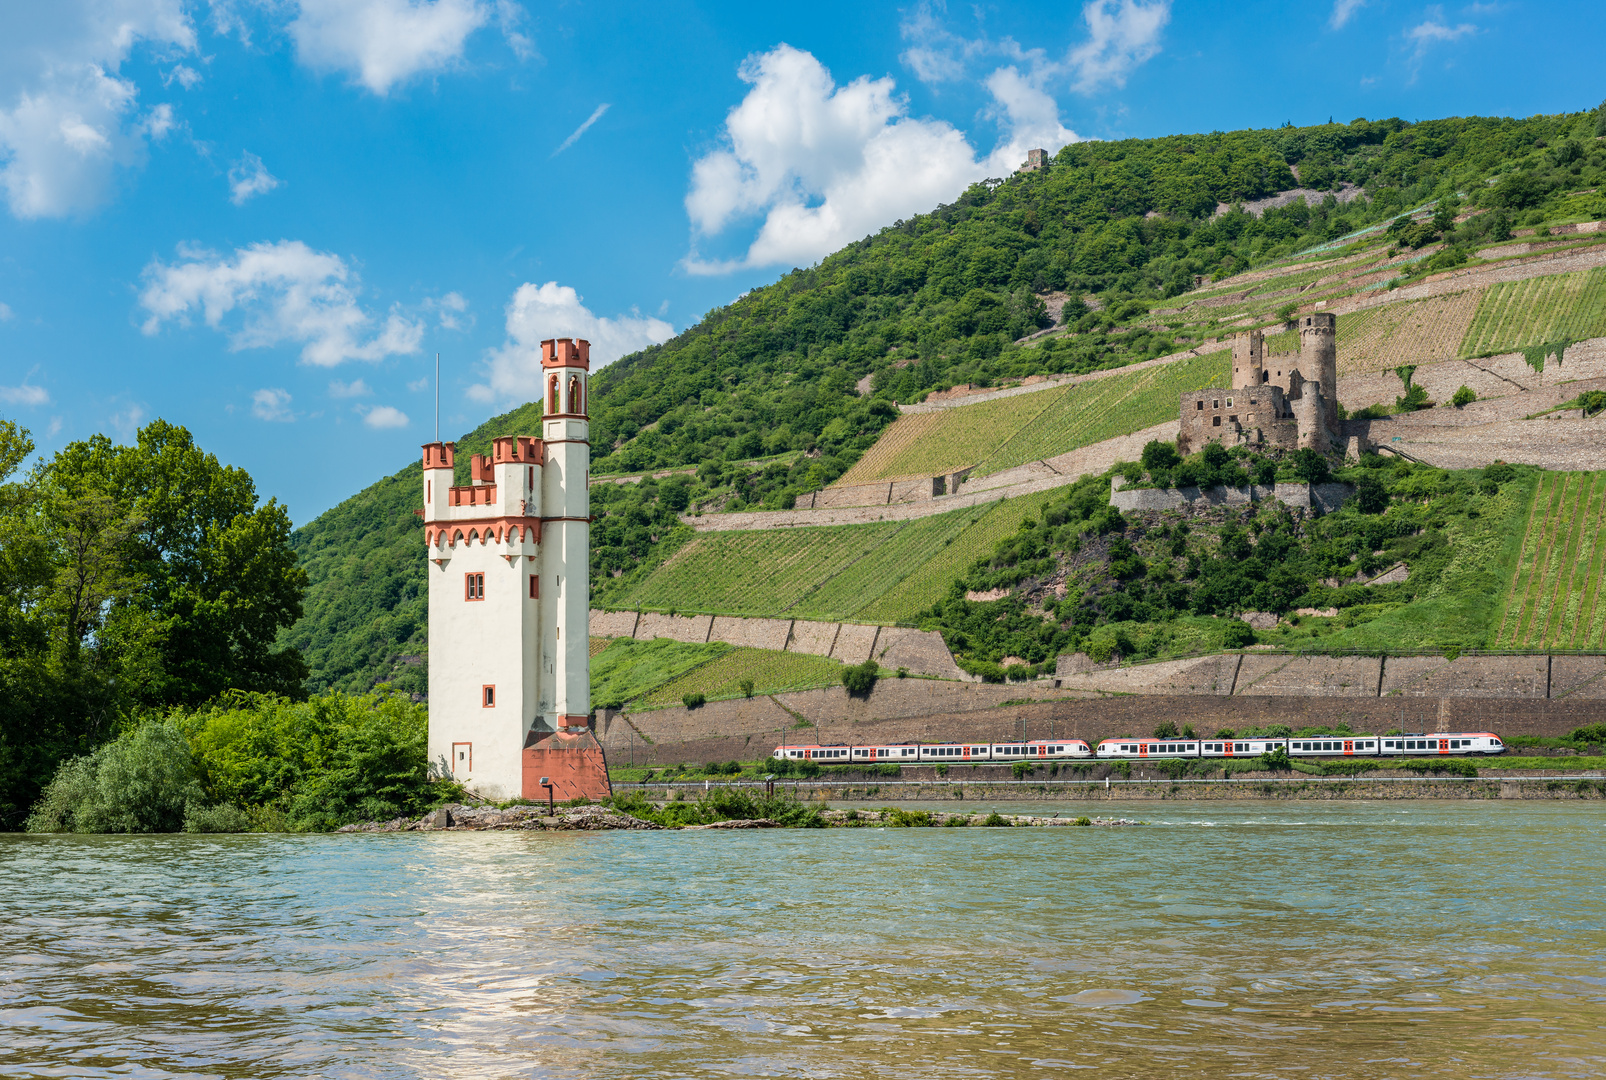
{"x":1220,"y":940}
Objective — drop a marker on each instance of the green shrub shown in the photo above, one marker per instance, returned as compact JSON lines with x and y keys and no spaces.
{"x":1276,"y":760}
{"x":958,"y":821}
{"x":1021,"y":769}
{"x":143,"y":782}
{"x":1165,"y":730}
{"x":222,"y":818}
{"x":747,"y":687}
{"x":907,"y":819}
{"x":995,"y":820}
{"x":1463,"y":397}
{"x":1084,"y":820}
{"x":693,"y":700}
{"x":1237,"y":635}
{"x":860,"y":678}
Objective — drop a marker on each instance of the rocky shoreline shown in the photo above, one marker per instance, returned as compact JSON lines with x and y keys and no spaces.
{"x":458,"y":818}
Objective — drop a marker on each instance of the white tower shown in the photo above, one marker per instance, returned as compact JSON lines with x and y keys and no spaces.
{"x":509,"y":598}
{"x":566,"y":543}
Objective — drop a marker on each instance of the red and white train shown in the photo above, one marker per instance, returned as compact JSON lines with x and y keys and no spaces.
{"x":1324,"y":746}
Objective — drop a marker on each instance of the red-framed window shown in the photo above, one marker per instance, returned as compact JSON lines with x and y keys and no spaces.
{"x":488,"y":696}
{"x":473,"y":586}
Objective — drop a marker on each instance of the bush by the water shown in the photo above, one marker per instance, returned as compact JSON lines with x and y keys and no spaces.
{"x":252,"y":761}
{"x":722,"y":804}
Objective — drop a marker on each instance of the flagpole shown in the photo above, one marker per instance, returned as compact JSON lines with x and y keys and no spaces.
{"x":437,"y":397}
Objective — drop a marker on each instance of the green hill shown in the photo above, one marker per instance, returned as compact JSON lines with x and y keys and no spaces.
{"x":760,"y":396}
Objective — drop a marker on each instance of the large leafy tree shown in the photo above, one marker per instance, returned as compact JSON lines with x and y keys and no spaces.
{"x":131,"y":576}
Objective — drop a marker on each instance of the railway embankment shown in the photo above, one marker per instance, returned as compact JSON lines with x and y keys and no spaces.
{"x":1535,"y":784}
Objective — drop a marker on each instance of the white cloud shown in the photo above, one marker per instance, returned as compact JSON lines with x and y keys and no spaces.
{"x":24,"y":395}
{"x":126,"y":423}
{"x":1343,"y":11}
{"x":385,"y":416}
{"x":385,"y":42}
{"x":418,"y":384}
{"x":249,"y":178}
{"x":184,"y":75}
{"x":64,"y":109}
{"x":6,"y":314}
{"x":510,"y":17}
{"x":539,"y":312}
{"x":826,"y":165}
{"x":451,"y":309}
{"x":581,"y":130}
{"x":1434,"y":30}
{"x":272,"y":405}
{"x":283,"y":292}
{"x":1122,"y":35}
{"x":356,"y":388}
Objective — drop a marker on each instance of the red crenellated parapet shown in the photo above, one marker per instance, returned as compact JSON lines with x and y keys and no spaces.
{"x":566,"y":352}
{"x":440,"y":455}
{"x":518,"y":449}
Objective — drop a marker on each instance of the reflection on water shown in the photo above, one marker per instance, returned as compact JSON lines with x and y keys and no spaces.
{"x":1335,"y":940}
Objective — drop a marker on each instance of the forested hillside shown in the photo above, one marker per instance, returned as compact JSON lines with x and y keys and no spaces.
{"x":763,"y":398}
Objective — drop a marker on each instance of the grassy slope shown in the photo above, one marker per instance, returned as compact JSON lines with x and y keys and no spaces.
{"x":1553,"y":600}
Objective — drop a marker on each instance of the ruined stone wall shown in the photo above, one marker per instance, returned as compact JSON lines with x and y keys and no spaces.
{"x":1250,"y":416}
{"x":1324,"y":497}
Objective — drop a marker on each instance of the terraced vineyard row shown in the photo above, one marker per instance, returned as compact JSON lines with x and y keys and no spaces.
{"x":1090,"y":412}
{"x":924,"y":585}
{"x":1555,"y":600}
{"x":771,"y":672}
{"x":926,"y":444}
{"x":1536,"y":311}
{"x":884,"y":572}
{"x":755,"y":573}
{"x":845,"y":594}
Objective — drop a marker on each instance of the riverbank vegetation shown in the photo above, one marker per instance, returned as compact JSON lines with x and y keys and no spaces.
{"x":252,"y":762}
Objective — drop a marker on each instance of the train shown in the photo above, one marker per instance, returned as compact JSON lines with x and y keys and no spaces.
{"x":1439,"y":744}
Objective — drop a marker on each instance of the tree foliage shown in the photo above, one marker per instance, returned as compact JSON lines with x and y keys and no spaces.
{"x":131,"y":577}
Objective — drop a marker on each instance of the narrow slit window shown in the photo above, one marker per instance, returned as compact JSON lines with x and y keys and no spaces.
{"x":535,"y":586}
{"x":488,"y":697}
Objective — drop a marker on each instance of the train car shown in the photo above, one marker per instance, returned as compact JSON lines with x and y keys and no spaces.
{"x":1149,"y":748}
{"x":1452,"y":742}
{"x":876,"y":755}
{"x":1334,"y":746}
{"x":827,"y":755}
{"x":955,"y":753}
{"x":1237,"y":748}
{"x":1042,"y":750}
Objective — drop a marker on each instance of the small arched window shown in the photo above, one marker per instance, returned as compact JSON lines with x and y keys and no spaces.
{"x":575,"y":404}
{"x":552,"y":394}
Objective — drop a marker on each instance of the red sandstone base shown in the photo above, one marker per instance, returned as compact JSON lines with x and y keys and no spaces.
{"x":575,"y":765}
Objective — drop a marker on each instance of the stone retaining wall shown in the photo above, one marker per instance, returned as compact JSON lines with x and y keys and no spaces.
{"x":1581,"y":678}
{"x":922,"y":652}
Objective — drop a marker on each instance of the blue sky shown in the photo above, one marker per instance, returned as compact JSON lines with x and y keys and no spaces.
{"x":262,"y":218}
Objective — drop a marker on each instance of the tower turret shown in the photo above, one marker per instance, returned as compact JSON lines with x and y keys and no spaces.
{"x":566,"y":519}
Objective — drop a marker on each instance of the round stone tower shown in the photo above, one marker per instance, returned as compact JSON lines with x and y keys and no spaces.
{"x":1318,"y":359}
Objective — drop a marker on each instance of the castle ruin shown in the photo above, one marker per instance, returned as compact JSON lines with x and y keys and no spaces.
{"x":1283,"y":400}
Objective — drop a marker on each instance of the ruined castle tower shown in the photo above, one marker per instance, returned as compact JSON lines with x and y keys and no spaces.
{"x":1248,"y":363}
{"x":509,"y":599}
{"x":1318,"y":360}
